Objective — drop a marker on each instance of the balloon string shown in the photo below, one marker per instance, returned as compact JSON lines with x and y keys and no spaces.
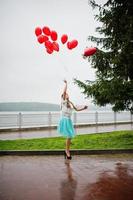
{"x":63,"y":62}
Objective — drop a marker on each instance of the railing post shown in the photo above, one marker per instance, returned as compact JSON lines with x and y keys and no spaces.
{"x":96,"y":117}
{"x":115,"y":118}
{"x":131,"y":117}
{"x":20,"y":120}
{"x":96,"y":121}
{"x":49,"y":120}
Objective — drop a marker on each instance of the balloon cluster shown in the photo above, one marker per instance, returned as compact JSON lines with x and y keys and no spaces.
{"x":49,"y":39}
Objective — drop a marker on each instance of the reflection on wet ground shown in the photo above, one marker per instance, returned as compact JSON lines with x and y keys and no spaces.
{"x":50,"y":177}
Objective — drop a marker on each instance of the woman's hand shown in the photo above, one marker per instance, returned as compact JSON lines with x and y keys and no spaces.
{"x":85,"y":107}
{"x":65,"y":81}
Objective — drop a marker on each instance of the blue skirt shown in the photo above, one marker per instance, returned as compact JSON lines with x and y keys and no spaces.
{"x":65,"y":127}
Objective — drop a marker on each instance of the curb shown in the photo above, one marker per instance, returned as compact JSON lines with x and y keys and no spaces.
{"x":61,"y":152}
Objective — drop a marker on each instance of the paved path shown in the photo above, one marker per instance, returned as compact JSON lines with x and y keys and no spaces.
{"x":50,"y":177}
{"x":53,"y":133}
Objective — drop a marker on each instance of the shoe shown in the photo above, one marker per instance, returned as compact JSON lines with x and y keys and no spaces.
{"x":66,"y":156}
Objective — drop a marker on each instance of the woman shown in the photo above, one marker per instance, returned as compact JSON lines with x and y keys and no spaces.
{"x":65,"y":127}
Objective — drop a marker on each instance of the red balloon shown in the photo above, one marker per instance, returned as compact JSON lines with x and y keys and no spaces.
{"x":46,"y":30}
{"x":42,"y":38}
{"x":55,"y":46}
{"x":64,"y":38}
{"x":90,"y":51}
{"x":54,"y":35}
{"x":38,"y":31}
{"x":68,"y":45}
{"x":49,"y":45}
{"x":50,"y":51}
{"x":73,"y":44}
{"x":45,"y":38}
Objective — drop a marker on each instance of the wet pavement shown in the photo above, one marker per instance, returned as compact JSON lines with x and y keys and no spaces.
{"x":53,"y":133}
{"x":51,"y":178}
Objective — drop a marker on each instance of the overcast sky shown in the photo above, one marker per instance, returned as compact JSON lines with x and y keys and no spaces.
{"x":27,"y":72}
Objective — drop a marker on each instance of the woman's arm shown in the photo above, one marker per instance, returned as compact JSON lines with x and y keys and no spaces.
{"x":85,"y":107}
{"x":65,"y":90}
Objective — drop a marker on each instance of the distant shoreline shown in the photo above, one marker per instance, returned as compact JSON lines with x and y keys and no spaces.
{"x":28,"y":107}
{"x":41,"y":107}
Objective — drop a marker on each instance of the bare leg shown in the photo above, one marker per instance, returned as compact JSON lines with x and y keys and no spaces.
{"x":68,"y":142}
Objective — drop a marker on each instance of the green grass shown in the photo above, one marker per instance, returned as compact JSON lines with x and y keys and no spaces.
{"x":113,"y":140}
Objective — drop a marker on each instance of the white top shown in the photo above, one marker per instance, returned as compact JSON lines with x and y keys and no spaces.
{"x":66,"y":112}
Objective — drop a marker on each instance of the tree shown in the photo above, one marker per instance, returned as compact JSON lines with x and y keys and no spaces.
{"x":114,"y":58}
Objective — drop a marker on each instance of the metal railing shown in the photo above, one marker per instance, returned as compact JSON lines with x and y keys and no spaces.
{"x":49,"y":119}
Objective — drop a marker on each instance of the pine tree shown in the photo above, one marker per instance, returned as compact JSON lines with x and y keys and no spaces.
{"x":114,"y":58}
